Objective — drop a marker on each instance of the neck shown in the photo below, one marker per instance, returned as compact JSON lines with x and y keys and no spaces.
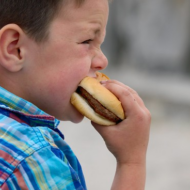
{"x":11,"y":82}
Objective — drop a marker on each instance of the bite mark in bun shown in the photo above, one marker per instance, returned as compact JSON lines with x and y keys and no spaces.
{"x":96,"y":102}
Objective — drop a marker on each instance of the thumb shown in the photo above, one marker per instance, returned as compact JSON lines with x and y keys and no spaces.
{"x":104,"y":131}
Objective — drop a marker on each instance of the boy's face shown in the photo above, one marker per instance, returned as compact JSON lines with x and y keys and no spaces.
{"x":71,"y":52}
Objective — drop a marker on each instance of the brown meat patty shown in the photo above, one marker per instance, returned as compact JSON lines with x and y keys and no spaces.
{"x":97,"y":106}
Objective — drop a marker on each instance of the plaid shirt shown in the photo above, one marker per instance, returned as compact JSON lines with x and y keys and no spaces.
{"x":33,"y":153}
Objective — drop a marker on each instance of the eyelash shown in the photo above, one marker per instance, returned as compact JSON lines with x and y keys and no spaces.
{"x":87,"y":41}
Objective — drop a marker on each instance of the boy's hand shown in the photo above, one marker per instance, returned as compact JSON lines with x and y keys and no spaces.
{"x":127,"y":140}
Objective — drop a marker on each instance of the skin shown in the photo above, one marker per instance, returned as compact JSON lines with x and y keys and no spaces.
{"x":46,"y":74}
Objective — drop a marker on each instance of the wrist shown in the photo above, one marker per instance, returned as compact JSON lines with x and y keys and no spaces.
{"x":130,"y":176}
{"x":125,"y":165}
{"x":132,"y":160}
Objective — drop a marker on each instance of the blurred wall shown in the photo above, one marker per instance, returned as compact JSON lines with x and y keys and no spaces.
{"x":149,"y":34}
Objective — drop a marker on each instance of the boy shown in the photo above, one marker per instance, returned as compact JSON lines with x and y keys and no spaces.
{"x":46,"y":48}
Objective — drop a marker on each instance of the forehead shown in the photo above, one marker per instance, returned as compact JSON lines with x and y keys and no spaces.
{"x":73,"y":21}
{"x":89,"y":10}
{"x":80,"y":2}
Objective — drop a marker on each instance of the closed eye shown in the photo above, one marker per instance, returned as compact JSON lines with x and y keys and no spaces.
{"x":87,"y":41}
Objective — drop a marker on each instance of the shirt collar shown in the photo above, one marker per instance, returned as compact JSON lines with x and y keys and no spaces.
{"x":27,"y":111}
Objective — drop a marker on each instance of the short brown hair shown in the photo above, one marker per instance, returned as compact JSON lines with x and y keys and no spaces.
{"x":33,"y":16}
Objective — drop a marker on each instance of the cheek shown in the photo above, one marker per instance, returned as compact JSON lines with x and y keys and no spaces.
{"x":79,"y":64}
{"x":62,"y":83}
{"x":68,"y":66}
{"x":83,"y":50}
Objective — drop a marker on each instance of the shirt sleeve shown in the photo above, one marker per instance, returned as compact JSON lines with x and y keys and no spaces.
{"x":46,"y":169}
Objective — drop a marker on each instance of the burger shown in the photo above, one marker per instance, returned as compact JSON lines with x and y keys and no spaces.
{"x":96,"y":102}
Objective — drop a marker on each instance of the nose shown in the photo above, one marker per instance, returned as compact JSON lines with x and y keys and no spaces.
{"x":99,"y":61}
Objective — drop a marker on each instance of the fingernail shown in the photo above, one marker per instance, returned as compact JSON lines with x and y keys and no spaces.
{"x":103,"y":82}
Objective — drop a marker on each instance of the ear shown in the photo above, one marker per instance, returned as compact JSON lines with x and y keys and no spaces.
{"x":11,"y":48}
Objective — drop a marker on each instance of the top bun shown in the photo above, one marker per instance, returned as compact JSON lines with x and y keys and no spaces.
{"x":103,"y":95}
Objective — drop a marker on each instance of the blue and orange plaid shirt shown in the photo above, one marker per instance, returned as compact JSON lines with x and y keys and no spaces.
{"x":33,"y":153}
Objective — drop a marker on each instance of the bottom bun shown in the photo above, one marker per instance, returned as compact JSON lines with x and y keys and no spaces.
{"x":85,"y":109}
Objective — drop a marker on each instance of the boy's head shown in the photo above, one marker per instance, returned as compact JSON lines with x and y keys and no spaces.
{"x":48,"y":46}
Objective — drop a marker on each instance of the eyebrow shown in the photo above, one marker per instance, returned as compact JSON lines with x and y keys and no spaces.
{"x":97,"y":30}
{"x":97,"y":26}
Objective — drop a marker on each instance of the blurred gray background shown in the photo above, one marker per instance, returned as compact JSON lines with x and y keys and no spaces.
{"x":148,"y":48}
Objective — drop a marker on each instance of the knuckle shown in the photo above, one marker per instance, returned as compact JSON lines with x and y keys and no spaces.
{"x":144,"y":116}
{"x":141,"y":116}
{"x":135,"y":92}
{"x":125,"y":92}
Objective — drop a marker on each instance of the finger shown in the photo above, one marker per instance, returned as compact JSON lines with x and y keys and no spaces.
{"x":102,"y":130}
{"x":136,"y":96}
{"x":140,"y":101}
{"x":129,"y":103}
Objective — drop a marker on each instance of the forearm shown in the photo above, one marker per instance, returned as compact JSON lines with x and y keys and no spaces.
{"x":129,"y":177}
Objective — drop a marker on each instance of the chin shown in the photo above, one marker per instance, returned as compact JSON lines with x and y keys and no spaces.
{"x":73,"y":116}
{"x":77,"y":120}
{"x":76,"y":117}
